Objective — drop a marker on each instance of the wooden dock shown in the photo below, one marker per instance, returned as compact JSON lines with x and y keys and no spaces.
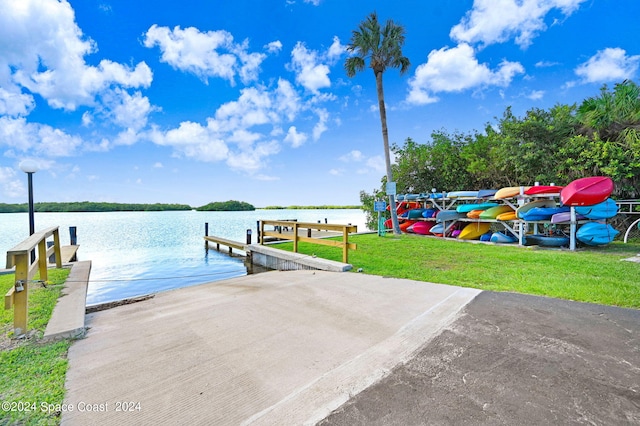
{"x":218,"y":241}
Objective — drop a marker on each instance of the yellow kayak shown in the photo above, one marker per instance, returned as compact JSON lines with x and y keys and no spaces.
{"x":473,"y":231}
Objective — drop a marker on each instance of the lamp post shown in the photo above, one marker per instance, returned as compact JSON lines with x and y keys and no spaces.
{"x":30,"y":167}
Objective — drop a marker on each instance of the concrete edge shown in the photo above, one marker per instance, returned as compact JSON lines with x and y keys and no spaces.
{"x":67,"y":319}
{"x":286,"y":261}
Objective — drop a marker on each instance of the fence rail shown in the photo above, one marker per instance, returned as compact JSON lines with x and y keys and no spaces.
{"x":26,"y":266}
{"x":295,"y":236}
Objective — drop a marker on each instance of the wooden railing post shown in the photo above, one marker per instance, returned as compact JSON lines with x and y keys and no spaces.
{"x":295,"y":237}
{"x":42,"y":260}
{"x":21,"y":298}
{"x":345,"y":246}
{"x":261,"y":236}
{"x":56,"y":247}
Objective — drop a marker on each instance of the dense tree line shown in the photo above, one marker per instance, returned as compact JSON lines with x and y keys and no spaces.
{"x":601,"y":136}
{"x":88,"y":206}
{"x":226,"y":206}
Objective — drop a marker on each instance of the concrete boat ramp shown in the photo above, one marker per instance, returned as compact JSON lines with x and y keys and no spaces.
{"x":276,"y":348}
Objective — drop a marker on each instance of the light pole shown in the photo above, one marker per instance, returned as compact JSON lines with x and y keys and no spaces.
{"x":30,"y":167}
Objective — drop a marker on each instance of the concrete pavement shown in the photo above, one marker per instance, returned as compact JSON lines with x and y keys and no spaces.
{"x":513,"y":359}
{"x":276,"y":348}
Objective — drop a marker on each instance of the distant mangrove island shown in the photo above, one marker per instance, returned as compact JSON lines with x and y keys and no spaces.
{"x":89,"y":206}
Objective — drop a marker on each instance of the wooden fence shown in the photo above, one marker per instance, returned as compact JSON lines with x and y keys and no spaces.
{"x":294,"y":234}
{"x":26,"y":267}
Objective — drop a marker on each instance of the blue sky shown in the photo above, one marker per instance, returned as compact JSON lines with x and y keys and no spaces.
{"x":202,"y":100}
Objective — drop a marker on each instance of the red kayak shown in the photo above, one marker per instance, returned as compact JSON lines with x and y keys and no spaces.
{"x":544,"y":189}
{"x":587,"y":191}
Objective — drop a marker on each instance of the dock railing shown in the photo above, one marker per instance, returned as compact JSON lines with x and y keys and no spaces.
{"x":26,"y":267}
{"x":295,"y":236}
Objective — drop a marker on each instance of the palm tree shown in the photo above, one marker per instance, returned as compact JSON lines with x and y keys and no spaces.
{"x":383,"y":48}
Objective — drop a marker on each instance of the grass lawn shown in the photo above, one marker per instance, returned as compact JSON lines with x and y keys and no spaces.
{"x":32,"y":372}
{"x":596,"y":275}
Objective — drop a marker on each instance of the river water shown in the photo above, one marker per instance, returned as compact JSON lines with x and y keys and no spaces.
{"x":137,"y":253}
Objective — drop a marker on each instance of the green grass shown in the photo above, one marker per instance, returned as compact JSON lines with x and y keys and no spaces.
{"x":32,"y":371}
{"x":596,"y":275}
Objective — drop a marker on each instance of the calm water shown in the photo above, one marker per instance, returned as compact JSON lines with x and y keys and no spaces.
{"x":136,"y":253}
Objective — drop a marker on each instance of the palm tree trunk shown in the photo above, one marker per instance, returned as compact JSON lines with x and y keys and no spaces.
{"x":387,"y":155}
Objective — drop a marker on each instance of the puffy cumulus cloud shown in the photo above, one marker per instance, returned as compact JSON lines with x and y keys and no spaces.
{"x":18,"y":134}
{"x":11,"y":186}
{"x":130,"y":111}
{"x":43,"y":50}
{"x":207,"y":54}
{"x":252,"y":161}
{"x":610,"y":64}
{"x":496,"y":21}
{"x":240,"y":132}
{"x":456,"y":69}
{"x":195,"y":141}
{"x":312,"y":68}
{"x":274,"y":47}
{"x":14,"y":103}
{"x":295,"y":138}
{"x":246,"y":131}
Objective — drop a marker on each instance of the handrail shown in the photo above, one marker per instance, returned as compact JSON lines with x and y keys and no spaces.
{"x":344,"y":229}
{"x":26,"y":267}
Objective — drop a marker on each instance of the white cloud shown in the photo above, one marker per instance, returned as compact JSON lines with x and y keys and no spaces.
{"x":253,"y":160}
{"x":496,"y":21}
{"x":374,"y":164}
{"x":353,"y":156}
{"x":321,"y":125}
{"x":312,"y":67}
{"x":14,"y":103}
{"x":41,"y":139}
{"x":274,"y":46}
{"x":610,"y":64}
{"x":336,"y":50}
{"x":295,"y":138}
{"x":377,"y":164}
{"x":536,"y":95}
{"x":158,"y":165}
{"x":206,"y":54}
{"x":43,"y":50}
{"x":313,"y":2}
{"x":545,"y":64}
{"x":126,"y":110}
{"x":311,"y":74}
{"x":11,"y":186}
{"x":454,"y":70}
{"x":194,"y":141}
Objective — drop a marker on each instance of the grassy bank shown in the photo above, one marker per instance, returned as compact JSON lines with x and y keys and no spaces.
{"x":33,"y":373}
{"x":596,"y":275}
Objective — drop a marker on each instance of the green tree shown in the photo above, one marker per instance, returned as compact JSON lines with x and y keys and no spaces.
{"x":382,"y":46}
{"x":611,"y":123}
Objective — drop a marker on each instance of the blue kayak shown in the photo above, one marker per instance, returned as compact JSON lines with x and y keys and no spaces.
{"x":546,"y":240}
{"x":543,"y":213}
{"x":466,"y":208}
{"x":596,"y":233}
{"x":501,"y":237}
{"x":604,"y":210}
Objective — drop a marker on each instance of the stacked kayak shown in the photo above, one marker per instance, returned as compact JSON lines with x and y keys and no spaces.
{"x":547,"y":209}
